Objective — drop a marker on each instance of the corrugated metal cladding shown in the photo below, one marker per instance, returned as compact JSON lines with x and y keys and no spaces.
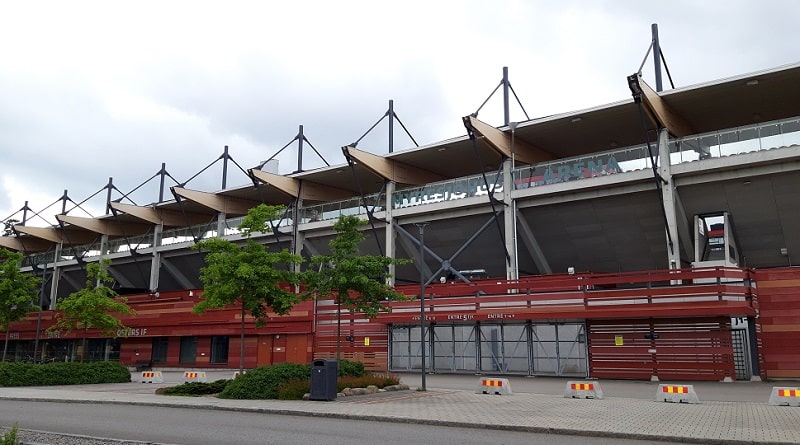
{"x":778,"y":319}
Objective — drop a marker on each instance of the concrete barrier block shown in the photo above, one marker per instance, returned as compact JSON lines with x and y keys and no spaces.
{"x":583,"y":390}
{"x":785,"y":396}
{"x":193,"y":376}
{"x":152,"y":377}
{"x":676,"y":394}
{"x":489,"y":385}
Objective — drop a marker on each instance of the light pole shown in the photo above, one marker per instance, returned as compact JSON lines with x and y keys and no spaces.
{"x":421,"y":227}
{"x":39,"y":318}
{"x":515,"y":265}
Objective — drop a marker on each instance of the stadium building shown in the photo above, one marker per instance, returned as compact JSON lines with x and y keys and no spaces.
{"x":647,"y":238}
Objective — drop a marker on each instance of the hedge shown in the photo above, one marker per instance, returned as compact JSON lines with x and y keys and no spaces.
{"x":63,"y":373}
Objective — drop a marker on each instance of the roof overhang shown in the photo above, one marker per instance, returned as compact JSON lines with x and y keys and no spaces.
{"x":25,"y":244}
{"x":506,"y":145}
{"x":301,"y":188}
{"x":105,"y":226}
{"x":659,"y":111}
{"x":217,"y":202}
{"x":68,"y":236}
{"x":169,"y":218}
{"x":391,"y":169}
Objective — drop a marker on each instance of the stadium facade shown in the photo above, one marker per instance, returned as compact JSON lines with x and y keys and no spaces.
{"x":648,"y":238}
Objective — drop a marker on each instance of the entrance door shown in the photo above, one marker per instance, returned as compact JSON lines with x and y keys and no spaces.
{"x":279,"y":342}
{"x":558,"y":349}
{"x":281,"y":348}
{"x":264,"y":357}
{"x":296,"y":348}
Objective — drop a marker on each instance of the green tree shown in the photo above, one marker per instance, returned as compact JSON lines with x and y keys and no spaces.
{"x":18,"y":292}
{"x":248,"y":275}
{"x":355,"y":281}
{"x":96,"y":306}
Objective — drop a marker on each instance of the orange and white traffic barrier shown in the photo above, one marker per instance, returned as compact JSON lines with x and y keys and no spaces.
{"x":194,"y":376}
{"x":152,"y":377}
{"x":676,"y":394}
{"x":785,"y":396}
{"x":583,"y":390}
{"x":494,"y":386}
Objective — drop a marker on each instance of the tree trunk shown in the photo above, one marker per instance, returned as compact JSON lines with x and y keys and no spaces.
{"x":5,"y":347}
{"x":83,"y":347}
{"x":338,"y":329}
{"x":241,"y":345}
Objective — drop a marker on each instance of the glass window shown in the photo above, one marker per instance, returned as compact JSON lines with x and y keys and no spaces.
{"x":791,"y":133}
{"x":188,"y":353}
{"x":103,"y":349}
{"x":219,"y":349}
{"x":159,"y":354}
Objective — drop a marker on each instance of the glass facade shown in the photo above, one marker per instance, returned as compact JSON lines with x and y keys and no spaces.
{"x":523,"y":349}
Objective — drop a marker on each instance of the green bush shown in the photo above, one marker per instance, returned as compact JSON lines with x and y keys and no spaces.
{"x":263,"y":382}
{"x":348,"y":368}
{"x":194,"y":389}
{"x":10,"y":437}
{"x":62,"y":373}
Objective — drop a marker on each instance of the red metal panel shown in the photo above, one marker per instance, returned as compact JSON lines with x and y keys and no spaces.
{"x":779,"y":321}
{"x":696,"y":348}
{"x":363,"y":340}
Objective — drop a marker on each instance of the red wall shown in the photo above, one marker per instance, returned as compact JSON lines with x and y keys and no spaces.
{"x":688,"y":348}
{"x":778,"y":304}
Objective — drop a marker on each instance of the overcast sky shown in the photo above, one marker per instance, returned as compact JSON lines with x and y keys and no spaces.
{"x":92,"y":90}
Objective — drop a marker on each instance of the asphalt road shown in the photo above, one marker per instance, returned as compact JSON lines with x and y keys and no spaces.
{"x":201,"y":426}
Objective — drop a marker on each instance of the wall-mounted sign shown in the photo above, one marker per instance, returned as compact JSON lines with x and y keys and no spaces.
{"x":131,"y":332}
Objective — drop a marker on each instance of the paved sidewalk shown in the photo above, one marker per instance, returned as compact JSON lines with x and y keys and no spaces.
{"x":720,"y":422}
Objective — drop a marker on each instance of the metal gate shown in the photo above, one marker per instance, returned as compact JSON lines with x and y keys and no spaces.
{"x":554,"y":349}
{"x":741,"y":354}
{"x":559,"y":349}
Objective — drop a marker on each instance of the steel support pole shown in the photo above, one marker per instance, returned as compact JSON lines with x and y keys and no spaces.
{"x":506,"y":114}
{"x":390,"y":231}
{"x":391,"y":125}
{"x":422,"y":299}
{"x":300,"y":137}
{"x":225,"y":168}
{"x":162,"y":174}
{"x":657,"y":57}
{"x":110,"y":186}
{"x":155,"y":261}
{"x":668,"y":198}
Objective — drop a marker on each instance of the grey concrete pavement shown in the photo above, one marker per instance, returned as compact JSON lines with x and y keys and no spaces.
{"x":728,"y":413}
